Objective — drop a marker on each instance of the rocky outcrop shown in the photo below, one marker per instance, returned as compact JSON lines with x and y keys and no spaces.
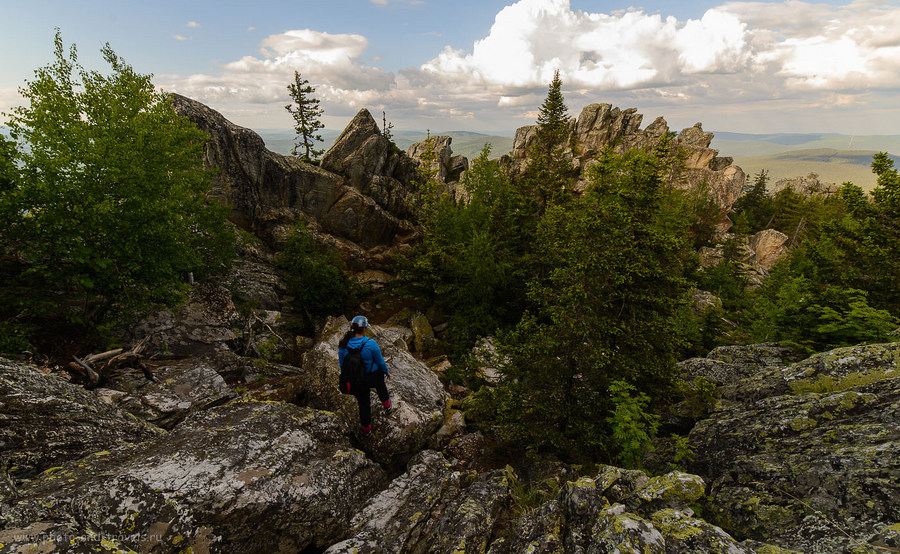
{"x":201,"y":327}
{"x":757,"y":254}
{"x":46,"y":422}
{"x":810,"y":185}
{"x":769,"y":247}
{"x":806,"y":455}
{"x":435,"y":155}
{"x":601,"y":125}
{"x":358,"y":197}
{"x":247,"y":477}
{"x":417,"y":392}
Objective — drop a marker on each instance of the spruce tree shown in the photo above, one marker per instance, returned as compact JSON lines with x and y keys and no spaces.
{"x":550,"y":171}
{"x":553,"y":119}
{"x":306,"y":113}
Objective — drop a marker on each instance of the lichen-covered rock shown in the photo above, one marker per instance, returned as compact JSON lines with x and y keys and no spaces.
{"x":415,"y":389}
{"x":673,"y":490}
{"x":45,"y":421}
{"x":655,"y":518}
{"x":429,"y":508}
{"x":728,"y":366}
{"x":423,"y":334}
{"x":178,"y":388}
{"x":786,"y":465}
{"x":201,"y":327}
{"x":685,"y":534}
{"x":249,"y":476}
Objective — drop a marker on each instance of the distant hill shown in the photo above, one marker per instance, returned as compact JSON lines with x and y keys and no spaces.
{"x":834,"y":158}
{"x":466,"y":143}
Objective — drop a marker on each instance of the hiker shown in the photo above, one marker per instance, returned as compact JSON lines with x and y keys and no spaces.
{"x":376,"y":370}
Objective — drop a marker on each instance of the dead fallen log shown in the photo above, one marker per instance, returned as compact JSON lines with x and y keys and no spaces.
{"x":95,"y":366}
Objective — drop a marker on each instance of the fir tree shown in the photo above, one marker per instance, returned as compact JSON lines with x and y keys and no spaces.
{"x":306,"y":113}
{"x":550,"y":171}
{"x":553,"y":119}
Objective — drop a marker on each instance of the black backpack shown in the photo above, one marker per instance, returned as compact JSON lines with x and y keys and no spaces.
{"x":353,"y":371}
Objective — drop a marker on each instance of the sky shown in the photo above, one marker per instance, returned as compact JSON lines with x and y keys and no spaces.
{"x":485,"y":65}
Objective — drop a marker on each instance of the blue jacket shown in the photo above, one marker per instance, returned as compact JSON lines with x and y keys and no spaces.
{"x":371,"y":354}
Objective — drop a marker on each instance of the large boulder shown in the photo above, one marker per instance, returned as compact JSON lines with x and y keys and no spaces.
{"x":166,"y":392}
{"x":246,"y":477}
{"x":430,"y":508}
{"x":417,"y":392}
{"x":358,"y":197}
{"x":201,"y":327}
{"x":46,"y":422}
{"x":806,"y":456}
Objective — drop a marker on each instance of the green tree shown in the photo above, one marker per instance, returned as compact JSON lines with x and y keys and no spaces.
{"x":550,"y":171}
{"x":107,"y":206}
{"x":469,"y":261}
{"x":607,"y":299}
{"x":306,"y":113}
{"x":553,"y":118}
{"x":315,"y":276}
{"x":754,"y":210}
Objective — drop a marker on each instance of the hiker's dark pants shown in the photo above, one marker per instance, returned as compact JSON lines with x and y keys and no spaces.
{"x":376,"y":380}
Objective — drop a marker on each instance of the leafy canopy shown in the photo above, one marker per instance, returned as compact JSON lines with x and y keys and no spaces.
{"x":104,"y":196}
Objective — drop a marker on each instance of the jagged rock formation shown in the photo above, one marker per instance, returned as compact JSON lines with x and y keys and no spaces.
{"x":806,"y":456}
{"x":358,"y":198}
{"x":436,"y":156}
{"x":758,"y":254}
{"x":601,"y":125}
{"x":47,"y":422}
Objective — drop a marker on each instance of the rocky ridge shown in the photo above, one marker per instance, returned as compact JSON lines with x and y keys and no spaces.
{"x":602,"y":125}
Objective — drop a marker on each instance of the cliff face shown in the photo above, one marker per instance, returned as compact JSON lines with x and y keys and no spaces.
{"x":601,"y":125}
{"x":358,"y":199}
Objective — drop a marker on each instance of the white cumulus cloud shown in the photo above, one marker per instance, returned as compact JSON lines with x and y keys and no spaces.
{"x":532,"y":38}
{"x":331,"y":62}
{"x":740,"y":65}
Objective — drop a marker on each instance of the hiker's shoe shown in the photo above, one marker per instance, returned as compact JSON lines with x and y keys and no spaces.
{"x":365,"y":432}
{"x":388,"y":407}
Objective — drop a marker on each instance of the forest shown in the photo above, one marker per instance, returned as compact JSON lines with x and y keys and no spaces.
{"x":105,"y":214}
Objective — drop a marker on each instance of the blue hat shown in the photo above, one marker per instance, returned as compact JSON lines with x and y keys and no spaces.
{"x":360,"y":321}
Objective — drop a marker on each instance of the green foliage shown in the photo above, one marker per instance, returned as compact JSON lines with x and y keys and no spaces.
{"x":553,"y":117}
{"x":701,"y":396}
{"x":14,"y":338}
{"x":684,"y":452}
{"x":315,"y":277}
{"x":632,"y":426}
{"x":306,"y":113}
{"x":754,"y":210}
{"x":470,"y":261}
{"x":817,"y":316}
{"x":107,"y":205}
{"x":606,"y":298}
{"x":549,"y":172}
